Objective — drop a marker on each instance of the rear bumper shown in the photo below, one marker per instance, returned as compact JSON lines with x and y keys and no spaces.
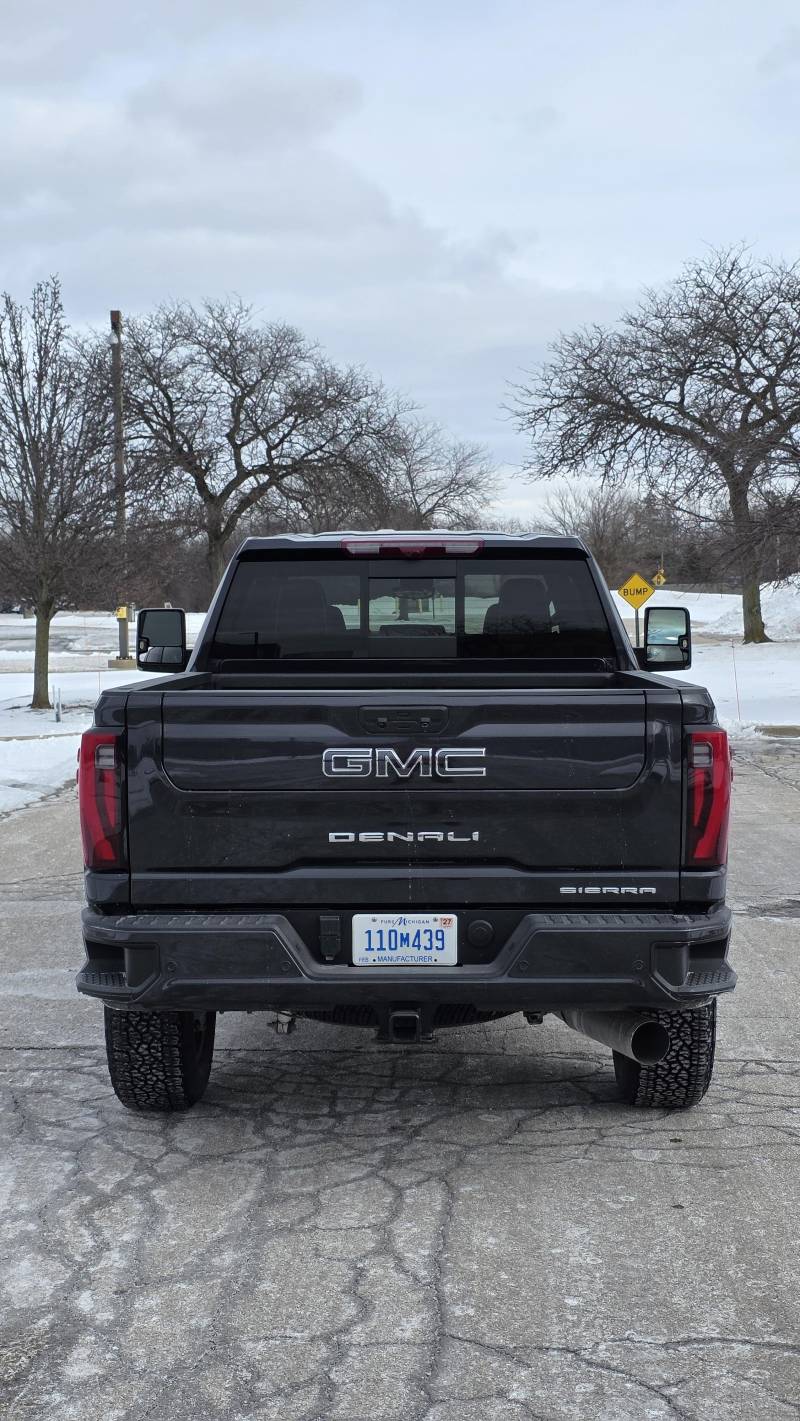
{"x":257,"y":961}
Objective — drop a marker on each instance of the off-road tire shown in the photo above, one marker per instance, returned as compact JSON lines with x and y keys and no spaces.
{"x":159,"y":1060}
{"x":684,"y":1075}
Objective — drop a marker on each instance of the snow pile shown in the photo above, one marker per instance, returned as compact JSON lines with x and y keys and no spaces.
{"x":720,"y":613}
{"x":706,"y":607}
{"x":780,"y":604}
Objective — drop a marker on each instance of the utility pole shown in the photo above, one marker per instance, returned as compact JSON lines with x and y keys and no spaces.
{"x":119,"y":473}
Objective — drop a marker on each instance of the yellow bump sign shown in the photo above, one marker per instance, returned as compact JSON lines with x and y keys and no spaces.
{"x":637,"y":590}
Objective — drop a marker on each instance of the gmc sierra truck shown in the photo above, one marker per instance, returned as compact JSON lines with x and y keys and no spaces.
{"x":407,"y":781}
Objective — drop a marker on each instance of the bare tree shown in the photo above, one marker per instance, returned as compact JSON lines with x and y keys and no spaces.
{"x":695,"y":393}
{"x":56,"y":494}
{"x":418,"y":478}
{"x":245,"y":413}
{"x":607,"y":518}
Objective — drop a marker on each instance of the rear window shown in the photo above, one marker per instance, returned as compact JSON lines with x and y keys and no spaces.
{"x":540,"y":609}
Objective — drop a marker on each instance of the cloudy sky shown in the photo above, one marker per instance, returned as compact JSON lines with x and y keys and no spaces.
{"x":430,"y":187}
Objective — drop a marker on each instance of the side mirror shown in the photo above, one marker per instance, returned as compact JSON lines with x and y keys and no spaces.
{"x":161,"y":639}
{"x":667,"y":639}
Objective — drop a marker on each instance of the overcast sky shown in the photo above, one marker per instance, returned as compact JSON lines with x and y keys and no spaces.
{"x":430,"y":187}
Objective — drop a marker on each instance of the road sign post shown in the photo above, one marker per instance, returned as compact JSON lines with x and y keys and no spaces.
{"x":636,"y":591}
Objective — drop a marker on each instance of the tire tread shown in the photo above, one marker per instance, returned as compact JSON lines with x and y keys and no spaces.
{"x":152,"y":1061}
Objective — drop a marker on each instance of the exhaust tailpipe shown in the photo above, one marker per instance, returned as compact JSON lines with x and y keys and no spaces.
{"x":639,"y":1037}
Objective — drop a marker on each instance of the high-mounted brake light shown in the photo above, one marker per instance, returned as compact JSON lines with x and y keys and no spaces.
{"x":708,"y":798}
{"x":406,"y":547}
{"x":100,"y":785}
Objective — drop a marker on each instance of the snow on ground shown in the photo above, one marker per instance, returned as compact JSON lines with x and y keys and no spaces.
{"x":33,"y":769}
{"x":77,"y":687}
{"x":22,"y":658}
{"x":78,"y":640}
{"x":38,"y":754}
{"x":751,"y":685}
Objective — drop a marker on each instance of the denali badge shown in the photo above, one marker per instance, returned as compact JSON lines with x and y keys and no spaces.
{"x":405,"y":836}
{"x":365,"y":762}
{"x":616,"y":892}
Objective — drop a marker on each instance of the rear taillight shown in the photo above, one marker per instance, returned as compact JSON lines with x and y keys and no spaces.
{"x":708,"y":798}
{"x":100,"y":789}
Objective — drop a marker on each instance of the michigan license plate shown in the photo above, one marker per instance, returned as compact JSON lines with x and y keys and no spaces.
{"x":405,"y":940}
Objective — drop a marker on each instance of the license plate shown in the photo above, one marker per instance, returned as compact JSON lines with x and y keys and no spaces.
{"x":405,"y":940}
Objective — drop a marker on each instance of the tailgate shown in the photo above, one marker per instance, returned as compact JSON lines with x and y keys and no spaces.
{"x":249,"y":796}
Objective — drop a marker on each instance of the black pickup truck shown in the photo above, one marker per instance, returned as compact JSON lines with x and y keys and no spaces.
{"x":407,"y":781}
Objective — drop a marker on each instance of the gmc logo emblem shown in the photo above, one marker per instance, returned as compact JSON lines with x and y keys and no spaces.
{"x":361,"y":763}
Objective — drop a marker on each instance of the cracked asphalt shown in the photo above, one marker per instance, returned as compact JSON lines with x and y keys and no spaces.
{"x":472,"y":1231}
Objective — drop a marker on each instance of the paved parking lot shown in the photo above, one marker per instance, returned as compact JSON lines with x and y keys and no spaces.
{"x":471,"y":1231}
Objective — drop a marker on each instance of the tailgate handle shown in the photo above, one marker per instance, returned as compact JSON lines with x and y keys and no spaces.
{"x":388,"y":720}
